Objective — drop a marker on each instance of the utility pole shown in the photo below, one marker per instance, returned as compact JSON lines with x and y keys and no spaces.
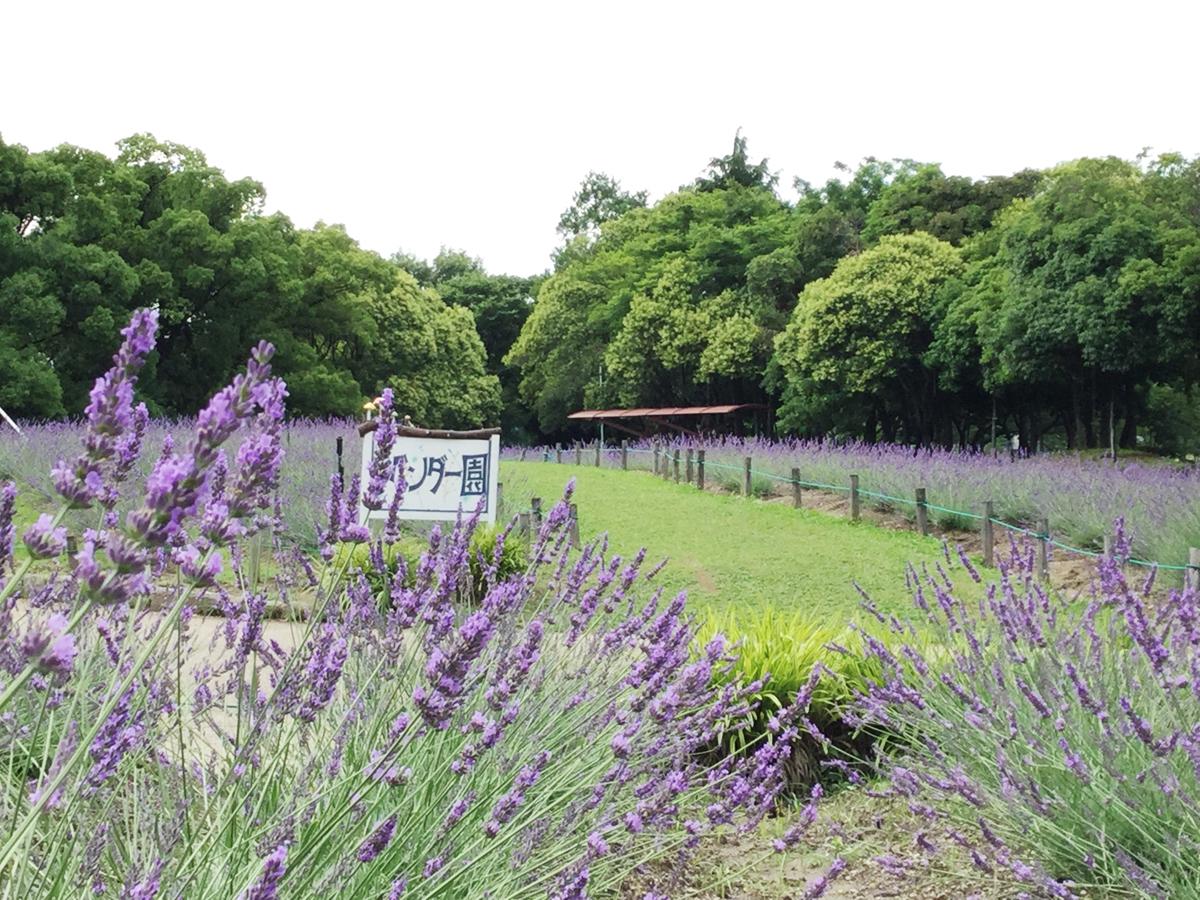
{"x":1112,"y":429}
{"x":601,"y":394}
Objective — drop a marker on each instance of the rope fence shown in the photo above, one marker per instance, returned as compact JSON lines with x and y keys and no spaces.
{"x":668,"y":462}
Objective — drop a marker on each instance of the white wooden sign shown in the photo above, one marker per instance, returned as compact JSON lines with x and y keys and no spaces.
{"x":442,"y":476}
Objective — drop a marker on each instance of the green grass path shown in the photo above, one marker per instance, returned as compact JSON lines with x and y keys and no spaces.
{"x":730,"y":553}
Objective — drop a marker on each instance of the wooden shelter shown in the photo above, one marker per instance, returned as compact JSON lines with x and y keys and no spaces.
{"x":690,"y":420}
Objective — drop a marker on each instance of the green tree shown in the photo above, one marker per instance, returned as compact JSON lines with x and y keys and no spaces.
{"x":499,"y":304}
{"x":599,"y":199}
{"x":85,"y":239}
{"x":950,"y":208}
{"x":432,"y":357}
{"x":1101,"y":290}
{"x":859,"y":337}
{"x":736,"y":170}
{"x":662,"y":301}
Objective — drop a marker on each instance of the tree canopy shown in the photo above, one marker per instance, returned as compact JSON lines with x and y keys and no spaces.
{"x":85,"y":239}
{"x":893,"y":301}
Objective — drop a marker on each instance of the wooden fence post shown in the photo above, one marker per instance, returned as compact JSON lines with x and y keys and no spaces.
{"x":795,"y":487}
{"x":597,"y":454}
{"x":675,"y":462}
{"x":1193,"y":571}
{"x":625,"y":456}
{"x":746,"y":477}
{"x":341,"y":471}
{"x":655,"y":460}
{"x":1107,"y":552}
{"x":524,"y":521}
{"x":666,"y":464}
{"x":535,"y":511}
{"x":989,"y":535}
{"x":578,"y":455}
{"x":855,"y":508}
{"x":700,"y":469}
{"x":1043,"y":549}
{"x":499,"y":500}
{"x":690,"y":454}
{"x":558,"y":454}
{"x":922,"y":512}
{"x":523,"y":449}
{"x":574,"y":525}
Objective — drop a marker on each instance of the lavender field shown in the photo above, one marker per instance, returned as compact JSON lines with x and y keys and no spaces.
{"x":422,"y":731}
{"x":1080,"y":497}
{"x":561,"y":727}
{"x":309,"y":445}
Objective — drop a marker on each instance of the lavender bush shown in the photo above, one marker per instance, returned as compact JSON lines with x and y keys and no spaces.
{"x":303,"y":483}
{"x":1059,"y":740}
{"x":539,"y":739}
{"x":1080,"y":497}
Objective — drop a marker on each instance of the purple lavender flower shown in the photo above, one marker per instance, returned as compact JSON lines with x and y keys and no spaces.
{"x":52,"y":649}
{"x":980,"y":861}
{"x":43,"y":540}
{"x":147,"y":888}
{"x":120,"y":733}
{"x":377,"y":840}
{"x":197,"y":569}
{"x":391,"y":528}
{"x":66,"y":746}
{"x":324,"y":670}
{"x":573,"y":885}
{"x":175,"y":484}
{"x":821,"y":884}
{"x":109,"y":414}
{"x":380,"y":467}
{"x":433,"y":865}
{"x":597,"y":846}
{"x":457,"y":810}
{"x":892,"y":865}
{"x":1142,"y":728}
{"x":1073,"y":760}
{"x":267,"y":886}
{"x":260,"y":457}
{"x":508,"y":804}
{"x":8,"y":499}
{"x":447,"y":672}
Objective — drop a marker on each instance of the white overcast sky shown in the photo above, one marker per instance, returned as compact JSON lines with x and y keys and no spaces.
{"x":469,"y":125}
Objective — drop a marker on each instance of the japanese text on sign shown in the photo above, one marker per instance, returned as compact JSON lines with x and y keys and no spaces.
{"x":442,"y":476}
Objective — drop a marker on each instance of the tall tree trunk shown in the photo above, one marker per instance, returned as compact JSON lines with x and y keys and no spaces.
{"x":871,"y":425}
{"x":888,"y":428}
{"x":1093,"y":439}
{"x":1072,"y":420}
{"x":1132,"y":407}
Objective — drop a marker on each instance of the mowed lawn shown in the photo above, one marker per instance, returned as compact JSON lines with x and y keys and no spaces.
{"x":729,"y":552}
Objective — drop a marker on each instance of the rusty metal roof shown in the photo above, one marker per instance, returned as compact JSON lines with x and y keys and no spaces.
{"x":662,"y":411}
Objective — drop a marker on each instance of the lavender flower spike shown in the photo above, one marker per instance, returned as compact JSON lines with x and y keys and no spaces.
{"x":52,"y":650}
{"x":379,"y":468}
{"x":43,"y":540}
{"x":377,"y":841}
{"x":173,"y":488}
{"x":109,"y":414}
{"x":8,"y":501}
{"x":267,"y":886}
